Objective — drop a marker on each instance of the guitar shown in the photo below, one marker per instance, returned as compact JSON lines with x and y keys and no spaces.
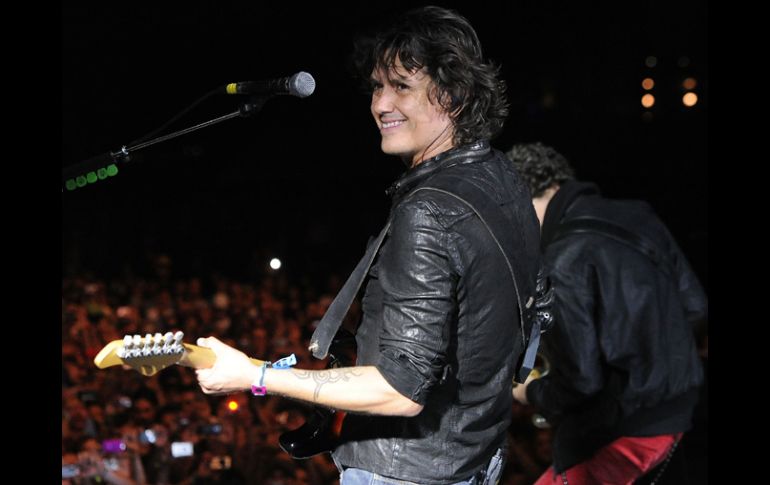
{"x":152,"y":353}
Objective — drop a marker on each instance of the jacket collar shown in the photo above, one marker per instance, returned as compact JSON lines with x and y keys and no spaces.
{"x":454,"y":156}
{"x":562,"y":200}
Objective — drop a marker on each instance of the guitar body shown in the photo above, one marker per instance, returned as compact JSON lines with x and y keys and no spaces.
{"x":321,"y":432}
{"x":318,"y":435}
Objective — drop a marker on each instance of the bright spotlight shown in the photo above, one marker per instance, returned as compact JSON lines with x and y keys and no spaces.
{"x":689,"y":99}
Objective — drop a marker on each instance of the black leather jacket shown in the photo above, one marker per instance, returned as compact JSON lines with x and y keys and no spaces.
{"x":623,"y":355}
{"x":442,"y":323}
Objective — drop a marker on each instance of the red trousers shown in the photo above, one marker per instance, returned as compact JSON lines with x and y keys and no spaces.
{"x":619,"y":463}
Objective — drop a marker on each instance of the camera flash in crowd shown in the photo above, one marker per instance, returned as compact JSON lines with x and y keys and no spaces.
{"x":232,"y":405}
{"x":275,"y":263}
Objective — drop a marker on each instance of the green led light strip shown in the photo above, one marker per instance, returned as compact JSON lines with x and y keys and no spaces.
{"x":91,"y":177}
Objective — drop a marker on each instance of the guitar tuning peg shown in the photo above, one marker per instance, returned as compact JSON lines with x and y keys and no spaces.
{"x":136,"y":349}
{"x":157,"y":343}
{"x":147,"y":348}
{"x":125,"y":351}
{"x":167,"y":339}
{"x":177,"y":347}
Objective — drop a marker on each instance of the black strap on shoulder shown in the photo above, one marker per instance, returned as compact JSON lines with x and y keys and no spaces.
{"x":332,"y":319}
{"x":495,"y":221}
{"x":593,"y":225}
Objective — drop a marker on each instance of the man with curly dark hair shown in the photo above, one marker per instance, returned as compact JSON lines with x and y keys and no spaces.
{"x":449,"y":285}
{"x":625,"y":371}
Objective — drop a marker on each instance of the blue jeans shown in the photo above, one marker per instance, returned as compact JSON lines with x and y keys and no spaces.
{"x":357,"y":476}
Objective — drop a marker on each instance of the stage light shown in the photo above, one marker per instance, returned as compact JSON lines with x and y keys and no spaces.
{"x":275,"y":263}
{"x":648,"y":83}
{"x":648,"y":100}
{"x":651,"y":61}
{"x":689,"y":99}
{"x":689,"y":83}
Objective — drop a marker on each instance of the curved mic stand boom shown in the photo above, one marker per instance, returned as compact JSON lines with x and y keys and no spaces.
{"x":103,"y":166}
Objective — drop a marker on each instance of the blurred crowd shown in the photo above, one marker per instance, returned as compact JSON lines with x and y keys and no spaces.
{"x":120,"y":427}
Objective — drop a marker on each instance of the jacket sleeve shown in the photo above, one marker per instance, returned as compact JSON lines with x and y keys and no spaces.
{"x":576,"y":370}
{"x":691,"y":292}
{"x":418,"y":301}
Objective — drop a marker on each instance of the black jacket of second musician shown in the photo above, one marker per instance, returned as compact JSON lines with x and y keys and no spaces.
{"x":624,"y":359}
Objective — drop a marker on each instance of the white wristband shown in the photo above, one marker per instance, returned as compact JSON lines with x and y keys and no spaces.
{"x":258,"y":386}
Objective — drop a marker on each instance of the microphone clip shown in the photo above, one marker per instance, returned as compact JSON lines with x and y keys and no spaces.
{"x":253,"y":105}
{"x":121,"y":155}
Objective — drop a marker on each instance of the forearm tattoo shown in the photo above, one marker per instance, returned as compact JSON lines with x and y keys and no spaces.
{"x":322,"y":377}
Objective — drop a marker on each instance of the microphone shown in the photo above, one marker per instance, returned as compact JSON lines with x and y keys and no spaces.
{"x":301,"y":85}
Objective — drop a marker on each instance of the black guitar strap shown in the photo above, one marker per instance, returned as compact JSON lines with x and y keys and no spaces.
{"x":332,"y":319}
{"x":491,"y":215}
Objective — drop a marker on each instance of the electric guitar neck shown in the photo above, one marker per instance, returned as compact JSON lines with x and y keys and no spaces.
{"x":152,"y":353}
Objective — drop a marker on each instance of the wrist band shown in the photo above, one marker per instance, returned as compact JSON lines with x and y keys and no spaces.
{"x":285,"y":363}
{"x":258,"y":387}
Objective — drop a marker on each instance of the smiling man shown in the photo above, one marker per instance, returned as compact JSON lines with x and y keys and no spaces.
{"x":447,"y":305}
{"x":413,"y":124}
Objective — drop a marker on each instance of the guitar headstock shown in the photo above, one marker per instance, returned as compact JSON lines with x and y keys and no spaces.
{"x":148,"y":355}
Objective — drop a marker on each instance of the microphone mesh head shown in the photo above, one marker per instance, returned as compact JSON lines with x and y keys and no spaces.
{"x":301,"y":84}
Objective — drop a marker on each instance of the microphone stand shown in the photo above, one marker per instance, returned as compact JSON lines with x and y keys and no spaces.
{"x":103,"y":166}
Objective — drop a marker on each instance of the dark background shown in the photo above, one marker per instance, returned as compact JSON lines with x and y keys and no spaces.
{"x":304,"y":179}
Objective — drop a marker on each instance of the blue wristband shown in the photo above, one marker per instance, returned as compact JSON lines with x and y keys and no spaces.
{"x":285,"y":363}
